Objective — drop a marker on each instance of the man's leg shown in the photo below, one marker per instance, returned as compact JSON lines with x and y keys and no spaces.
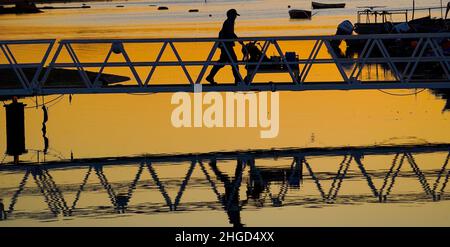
{"x":212,"y":73}
{"x":223,"y":58}
{"x":235,"y":71}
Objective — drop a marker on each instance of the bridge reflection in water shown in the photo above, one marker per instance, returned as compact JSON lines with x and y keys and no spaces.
{"x":239,"y":181}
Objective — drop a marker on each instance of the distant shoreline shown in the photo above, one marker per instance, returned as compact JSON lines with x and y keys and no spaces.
{"x":63,"y":1}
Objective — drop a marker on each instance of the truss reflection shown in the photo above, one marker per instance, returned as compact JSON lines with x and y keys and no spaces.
{"x":248,"y":186}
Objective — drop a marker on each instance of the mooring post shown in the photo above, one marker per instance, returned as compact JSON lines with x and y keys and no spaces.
{"x":15,"y":129}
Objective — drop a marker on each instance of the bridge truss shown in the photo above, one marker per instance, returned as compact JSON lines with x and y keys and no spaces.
{"x":405,"y":68}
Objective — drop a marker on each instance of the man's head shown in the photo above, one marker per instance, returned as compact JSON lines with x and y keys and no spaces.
{"x":232,"y":13}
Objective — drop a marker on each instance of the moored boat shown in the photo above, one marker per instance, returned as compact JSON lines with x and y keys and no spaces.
{"x":59,"y":76}
{"x":317,"y":5}
{"x":299,"y":14}
{"x":20,"y":8}
{"x":74,"y":7}
{"x":381,"y":21}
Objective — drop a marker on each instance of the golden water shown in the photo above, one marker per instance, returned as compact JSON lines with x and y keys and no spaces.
{"x":123,"y":125}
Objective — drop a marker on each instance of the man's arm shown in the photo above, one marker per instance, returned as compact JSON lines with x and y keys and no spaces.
{"x":228,"y":28}
{"x":236,"y":37}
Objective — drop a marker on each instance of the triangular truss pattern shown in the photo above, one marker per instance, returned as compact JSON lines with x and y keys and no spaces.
{"x":388,"y":182}
{"x":179,"y":62}
{"x":368,"y":54}
{"x":117,"y":48}
{"x":337,"y":181}
{"x":405,"y":67}
{"x":17,"y":67}
{"x":382,"y":194}
{"x":258,"y":184}
{"x":419,"y":54}
{"x":54,"y":198}
{"x":75,"y":63}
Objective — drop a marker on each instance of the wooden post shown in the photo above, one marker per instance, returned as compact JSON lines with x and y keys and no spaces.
{"x":15,"y":129}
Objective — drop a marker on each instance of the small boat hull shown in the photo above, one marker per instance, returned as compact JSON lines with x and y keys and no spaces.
{"x":20,"y":9}
{"x":373,"y":28}
{"x":299,"y":14}
{"x":316,"y":5}
{"x":58,"y":77}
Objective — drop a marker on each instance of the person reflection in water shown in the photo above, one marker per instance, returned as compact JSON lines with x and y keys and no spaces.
{"x":230,"y":200}
{"x":2,"y":210}
{"x":227,"y":32}
{"x":122,"y":202}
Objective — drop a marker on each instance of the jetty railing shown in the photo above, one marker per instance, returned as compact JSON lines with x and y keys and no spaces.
{"x":404,"y":55}
{"x":27,"y":84}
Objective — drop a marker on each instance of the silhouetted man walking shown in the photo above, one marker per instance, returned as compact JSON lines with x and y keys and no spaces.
{"x":227,"y":32}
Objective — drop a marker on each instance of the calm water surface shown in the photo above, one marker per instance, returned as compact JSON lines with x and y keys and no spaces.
{"x":201,"y":193}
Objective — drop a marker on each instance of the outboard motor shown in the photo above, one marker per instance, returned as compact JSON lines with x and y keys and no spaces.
{"x":344,"y":28}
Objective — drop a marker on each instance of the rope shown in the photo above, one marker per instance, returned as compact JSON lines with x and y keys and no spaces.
{"x":399,"y":94}
{"x":58,"y":100}
{"x":43,"y":104}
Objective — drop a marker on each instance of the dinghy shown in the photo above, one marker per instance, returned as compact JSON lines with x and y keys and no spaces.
{"x":316,"y":5}
{"x":299,"y":14}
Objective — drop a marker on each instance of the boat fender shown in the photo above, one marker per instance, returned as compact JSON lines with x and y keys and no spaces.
{"x":401,"y":28}
{"x":117,"y":47}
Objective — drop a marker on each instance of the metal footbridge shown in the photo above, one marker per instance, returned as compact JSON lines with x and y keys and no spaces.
{"x":407,"y":70}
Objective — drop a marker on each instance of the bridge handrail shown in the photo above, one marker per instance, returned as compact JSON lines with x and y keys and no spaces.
{"x":27,"y":41}
{"x":262,"y":38}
